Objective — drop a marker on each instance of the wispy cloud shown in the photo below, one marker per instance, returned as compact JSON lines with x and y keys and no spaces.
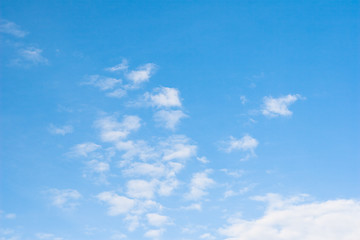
{"x":11,"y":28}
{"x":101,"y":82}
{"x":157,"y":220}
{"x":30,"y":56}
{"x":119,"y":67}
{"x":83,"y":149}
{"x":60,"y":130}
{"x":64,"y":198}
{"x":274,"y":107}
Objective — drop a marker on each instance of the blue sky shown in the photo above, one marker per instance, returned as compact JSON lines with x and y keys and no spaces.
{"x":180,"y":120}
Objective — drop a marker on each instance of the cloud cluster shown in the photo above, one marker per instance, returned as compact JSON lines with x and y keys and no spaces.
{"x":64,"y":198}
{"x":274,"y":107}
{"x":287,"y":219}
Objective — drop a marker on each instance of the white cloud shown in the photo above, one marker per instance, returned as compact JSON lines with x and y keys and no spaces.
{"x":207,"y":236}
{"x":117,"y":204}
{"x":120,"y":67}
{"x":136,"y":149}
{"x":166,"y":187}
{"x":177,"y":147}
{"x":246,"y":143}
{"x":97,"y":166}
{"x":164,"y":97}
{"x":47,"y":236}
{"x":103,"y":83}
{"x":199,"y":183}
{"x":112,"y":130}
{"x":194,"y":206}
{"x":83,"y":149}
{"x":142,"y":74}
{"x":64,"y":198}
{"x":141,"y":189}
{"x":60,"y":130}
{"x":274,"y":107}
{"x":202,"y":159}
{"x":169,"y":118}
{"x":11,"y":28}
{"x":133,"y":222}
{"x":146,"y":169}
{"x":157,"y":220}
{"x":287,"y":219}
{"x":118,"y":93}
{"x":30,"y":55}
{"x":118,"y":236}
{"x":155,"y":233}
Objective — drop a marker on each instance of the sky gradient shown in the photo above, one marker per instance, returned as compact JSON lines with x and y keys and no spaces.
{"x":180,"y":120}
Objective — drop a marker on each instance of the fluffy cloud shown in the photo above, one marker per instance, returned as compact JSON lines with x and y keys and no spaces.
{"x":103,"y":83}
{"x":157,"y":220}
{"x":141,"y":189}
{"x":155,"y":233}
{"x":169,"y":118}
{"x":142,"y":74}
{"x":287,"y":219}
{"x":11,"y":28}
{"x":64,"y":198}
{"x":274,"y":107}
{"x":199,"y":183}
{"x":112,"y":130}
{"x":83,"y":149}
{"x":246,"y":143}
{"x":60,"y":130}
{"x":177,"y":147}
{"x":117,"y":204}
{"x":164,"y":97}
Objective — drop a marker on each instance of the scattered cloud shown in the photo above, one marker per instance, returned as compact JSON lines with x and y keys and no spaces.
{"x":194,"y":206}
{"x":177,"y":147}
{"x":60,"y":130}
{"x":163,"y":97}
{"x":274,"y":107}
{"x":119,"y":67}
{"x":157,"y":220}
{"x":207,"y":236}
{"x":142,"y":74}
{"x":202,"y":159}
{"x":47,"y":236}
{"x":169,"y":118}
{"x":101,"y":82}
{"x":83,"y":149}
{"x":11,"y":28}
{"x":64,"y":198}
{"x":141,"y":189}
{"x":155,"y":233}
{"x":30,"y":56}
{"x":289,"y":219}
{"x":112,"y":130}
{"x":198,"y":185}
{"x":117,"y":204}
{"x":118,"y":93}
{"x":246,"y":144}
